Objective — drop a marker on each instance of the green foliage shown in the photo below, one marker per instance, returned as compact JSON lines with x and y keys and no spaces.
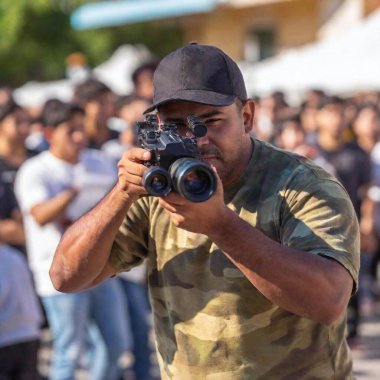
{"x":36,"y":37}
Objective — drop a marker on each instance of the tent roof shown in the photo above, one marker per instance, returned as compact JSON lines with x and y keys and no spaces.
{"x":345,"y":64}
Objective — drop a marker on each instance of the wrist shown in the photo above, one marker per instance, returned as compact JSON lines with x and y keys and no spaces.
{"x":223,"y":225}
{"x":125,"y":197}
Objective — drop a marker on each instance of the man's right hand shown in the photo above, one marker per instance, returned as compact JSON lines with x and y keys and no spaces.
{"x":131,"y":170}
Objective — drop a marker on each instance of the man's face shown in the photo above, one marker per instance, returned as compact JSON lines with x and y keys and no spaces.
{"x":68,"y":139}
{"x":367,"y":123}
{"x":227,"y":143}
{"x":144,"y":85}
{"x":15,"y":127}
{"x":102,"y":108}
{"x":291,"y":136}
{"x":330,"y":120}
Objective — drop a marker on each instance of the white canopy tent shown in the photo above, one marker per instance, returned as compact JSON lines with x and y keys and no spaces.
{"x":342,"y":65}
{"x":116,"y":73}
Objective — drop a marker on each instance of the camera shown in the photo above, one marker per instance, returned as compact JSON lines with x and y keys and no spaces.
{"x":175,"y":163}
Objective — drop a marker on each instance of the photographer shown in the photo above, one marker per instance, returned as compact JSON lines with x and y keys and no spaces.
{"x":252,"y":283}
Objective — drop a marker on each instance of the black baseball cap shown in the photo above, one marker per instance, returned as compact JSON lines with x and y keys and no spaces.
{"x":198,"y":73}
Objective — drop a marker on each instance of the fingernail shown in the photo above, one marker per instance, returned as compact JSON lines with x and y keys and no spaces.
{"x":146,"y":156}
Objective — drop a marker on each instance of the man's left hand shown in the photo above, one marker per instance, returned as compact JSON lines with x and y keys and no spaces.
{"x":203,"y":217}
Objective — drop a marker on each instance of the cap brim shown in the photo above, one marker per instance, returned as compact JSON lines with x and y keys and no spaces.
{"x":210,"y":98}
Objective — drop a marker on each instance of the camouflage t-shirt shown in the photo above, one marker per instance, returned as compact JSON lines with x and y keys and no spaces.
{"x":210,"y":321}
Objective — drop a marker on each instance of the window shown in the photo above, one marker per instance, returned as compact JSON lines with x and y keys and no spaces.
{"x":260,"y":44}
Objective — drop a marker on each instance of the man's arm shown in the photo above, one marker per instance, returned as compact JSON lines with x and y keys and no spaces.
{"x":49,"y":210}
{"x":81,"y":259}
{"x":303,"y":283}
{"x":12,"y":229}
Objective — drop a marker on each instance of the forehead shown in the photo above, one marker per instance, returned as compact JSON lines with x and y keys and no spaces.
{"x":181,"y":109}
{"x":76,"y":122}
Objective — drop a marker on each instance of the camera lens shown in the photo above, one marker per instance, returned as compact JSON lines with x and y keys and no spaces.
{"x":193,"y":179}
{"x":157,"y":181}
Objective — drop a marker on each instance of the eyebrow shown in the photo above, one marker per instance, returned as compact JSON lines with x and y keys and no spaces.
{"x":203,"y":116}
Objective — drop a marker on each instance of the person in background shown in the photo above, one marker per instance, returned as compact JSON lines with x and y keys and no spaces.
{"x":77,"y":69}
{"x":55,"y":188}
{"x":129,"y":110}
{"x":366,"y":129}
{"x":11,"y":226}
{"x":346,"y":158}
{"x":20,"y":318}
{"x":97,"y":100}
{"x":142,"y":79}
{"x":293,"y":138}
{"x":14,"y":129}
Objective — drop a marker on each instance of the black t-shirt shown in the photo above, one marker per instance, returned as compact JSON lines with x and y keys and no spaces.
{"x":8,"y":201}
{"x":353,"y":169}
{"x":8,"y":204}
{"x":8,"y":172}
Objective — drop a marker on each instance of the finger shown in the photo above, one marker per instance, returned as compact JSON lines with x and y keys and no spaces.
{"x":133,"y":179}
{"x":135,"y":189}
{"x":133,"y":168}
{"x":137,"y":155}
{"x":175,"y":199}
{"x":167,"y":206}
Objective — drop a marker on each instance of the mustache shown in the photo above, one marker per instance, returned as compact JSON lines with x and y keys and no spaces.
{"x":210,"y":151}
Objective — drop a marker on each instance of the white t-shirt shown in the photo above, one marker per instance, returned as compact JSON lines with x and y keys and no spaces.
{"x":20,"y":312}
{"x":43,"y":177}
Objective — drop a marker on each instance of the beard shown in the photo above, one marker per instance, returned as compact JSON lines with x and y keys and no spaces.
{"x":214,"y":157}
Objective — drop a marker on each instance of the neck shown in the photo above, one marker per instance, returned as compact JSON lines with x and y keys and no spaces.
{"x":238,"y":171}
{"x":329,"y":142}
{"x":96,"y":132}
{"x":58,"y":154}
{"x":12,"y":151}
{"x":366,"y":142}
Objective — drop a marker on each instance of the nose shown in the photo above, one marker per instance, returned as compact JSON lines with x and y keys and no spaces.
{"x":78,"y":137}
{"x":203,"y":141}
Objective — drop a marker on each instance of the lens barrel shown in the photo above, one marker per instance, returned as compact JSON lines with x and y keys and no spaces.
{"x":157,"y":181}
{"x":193,"y":179}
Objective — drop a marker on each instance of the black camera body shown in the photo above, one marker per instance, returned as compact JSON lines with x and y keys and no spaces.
{"x":175,"y":163}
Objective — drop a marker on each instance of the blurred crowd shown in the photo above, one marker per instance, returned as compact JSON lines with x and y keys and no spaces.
{"x":58,"y":161}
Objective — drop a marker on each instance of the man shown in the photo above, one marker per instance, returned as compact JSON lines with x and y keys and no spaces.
{"x":20,"y":318}
{"x":352,"y":167}
{"x":14,"y":129}
{"x":130,"y":110}
{"x":97,"y":100}
{"x":142,"y":79}
{"x":292,"y":137}
{"x":53,"y":189}
{"x":254,"y":282}
{"x":11,"y":227}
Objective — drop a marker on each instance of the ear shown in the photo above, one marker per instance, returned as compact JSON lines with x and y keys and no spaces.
{"x":248,"y":113}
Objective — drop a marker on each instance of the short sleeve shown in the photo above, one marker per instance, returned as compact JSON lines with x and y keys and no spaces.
{"x":30,"y":188}
{"x":321,"y":220}
{"x":130,"y":246}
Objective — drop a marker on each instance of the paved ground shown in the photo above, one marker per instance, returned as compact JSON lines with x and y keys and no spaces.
{"x":366,"y":352}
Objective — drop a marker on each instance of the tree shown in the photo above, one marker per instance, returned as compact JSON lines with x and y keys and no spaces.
{"x":36,"y":37}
